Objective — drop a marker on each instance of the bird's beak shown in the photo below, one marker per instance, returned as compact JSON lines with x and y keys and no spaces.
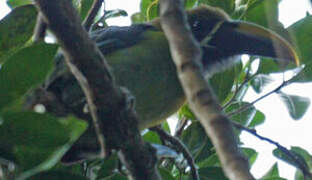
{"x":246,"y":38}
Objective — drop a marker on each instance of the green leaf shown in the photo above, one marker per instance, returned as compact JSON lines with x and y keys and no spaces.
{"x":25,"y":69}
{"x":258,"y":119}
{"x":54,"y":175}
{"x":296,"y":105}
{"x":32,"y":140}
{"x":114,"y":13}
{"x":108,"y":166}
{"x":85,"y":6}
{"x":227,"y":5}
{"x":190,"y":3}
{"x":209,"y":173}
{"x":137,"y":18}
{"x":251,"y":154}
{"x":152,"y":137}
{"x":186,"y":112}
{"x":301,"y":33}
{"x":222,"y":82}
{"x":16,"y":3}
{"x":260,"y":81}
{"x":245,"y":117}
{"x":144,"y":6}
{"x":165,"y":174}
{"x":152,"y":10}
{"x":299,"y":161}
{"x":273,"y":172}
{"x":196,"y":140}
{"x":304,"y":153}
{"x":16,"y":29}
{"x":264,"y":13}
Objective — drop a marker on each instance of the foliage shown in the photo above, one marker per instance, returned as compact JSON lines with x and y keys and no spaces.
{"x":33,"y":143}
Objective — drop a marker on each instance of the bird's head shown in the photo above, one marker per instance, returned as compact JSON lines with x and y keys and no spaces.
{"x":222,"y":37}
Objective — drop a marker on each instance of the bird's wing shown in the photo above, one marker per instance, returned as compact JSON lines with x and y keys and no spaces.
{"x":117,"y":37}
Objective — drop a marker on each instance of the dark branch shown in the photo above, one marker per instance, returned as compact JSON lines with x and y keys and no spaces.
{"x":92,"y":14}
{"x":108,"y":105}
{"x":180,"y":147}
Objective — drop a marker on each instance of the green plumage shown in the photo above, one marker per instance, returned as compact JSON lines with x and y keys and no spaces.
{"x":140,"y":59}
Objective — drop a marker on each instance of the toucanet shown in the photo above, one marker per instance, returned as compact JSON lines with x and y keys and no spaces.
{"x":140,"y":59}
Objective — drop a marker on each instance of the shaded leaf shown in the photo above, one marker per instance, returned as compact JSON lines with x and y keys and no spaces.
{"x":210,"y":173}
{"x":25,"y":69}
{"x":16,"y":3}
{"x":165,"y":174}
{"x":107,"y":167}
{"x":245,"y":117}
{"x":296,"y":105}
{"x":227,"y":5}
{"x":30,"y":137}
{"x":152,"y":137}
{"x":85,"y":6}
{"x":251,"y":154}
{"x":196,"y":140}
{"x":260,"y":81}
{"x":298,"y":162}
{"x":222,"y":82}
{"x":16,"y":29}
{"x":54,"y":175}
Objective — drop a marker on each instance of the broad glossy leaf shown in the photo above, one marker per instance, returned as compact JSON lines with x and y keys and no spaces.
{"x":25,"y":69}
{"x":152,"y":10}
{"x":16,"y":3}
{"x":296,"y":105}
{"x":54,"y":175}
{"x":32,"y":140}
{"x":16,"y":29}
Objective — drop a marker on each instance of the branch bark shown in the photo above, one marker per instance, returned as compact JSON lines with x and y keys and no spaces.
{"x":109,"y":106}
{"x":186,"y":54}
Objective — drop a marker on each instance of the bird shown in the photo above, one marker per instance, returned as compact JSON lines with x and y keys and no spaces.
{"x":140,"y":60}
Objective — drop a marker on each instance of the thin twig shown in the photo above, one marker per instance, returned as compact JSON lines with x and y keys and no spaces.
{"x":180,"y":147}
{"x":40,"y":29}
{"x":238,"y":90}
{"x":247,"y":106}
{"x":304,"y":170}
{"x":92,"y":14}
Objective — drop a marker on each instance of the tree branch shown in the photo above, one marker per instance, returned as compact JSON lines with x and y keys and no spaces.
{"x":186,"y":54}
{"x":293,"y":157}
{"x":40,"y":29}
{"x":108,"y":104}
{"x":92,"y":13}
{"x":180,"y":147}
